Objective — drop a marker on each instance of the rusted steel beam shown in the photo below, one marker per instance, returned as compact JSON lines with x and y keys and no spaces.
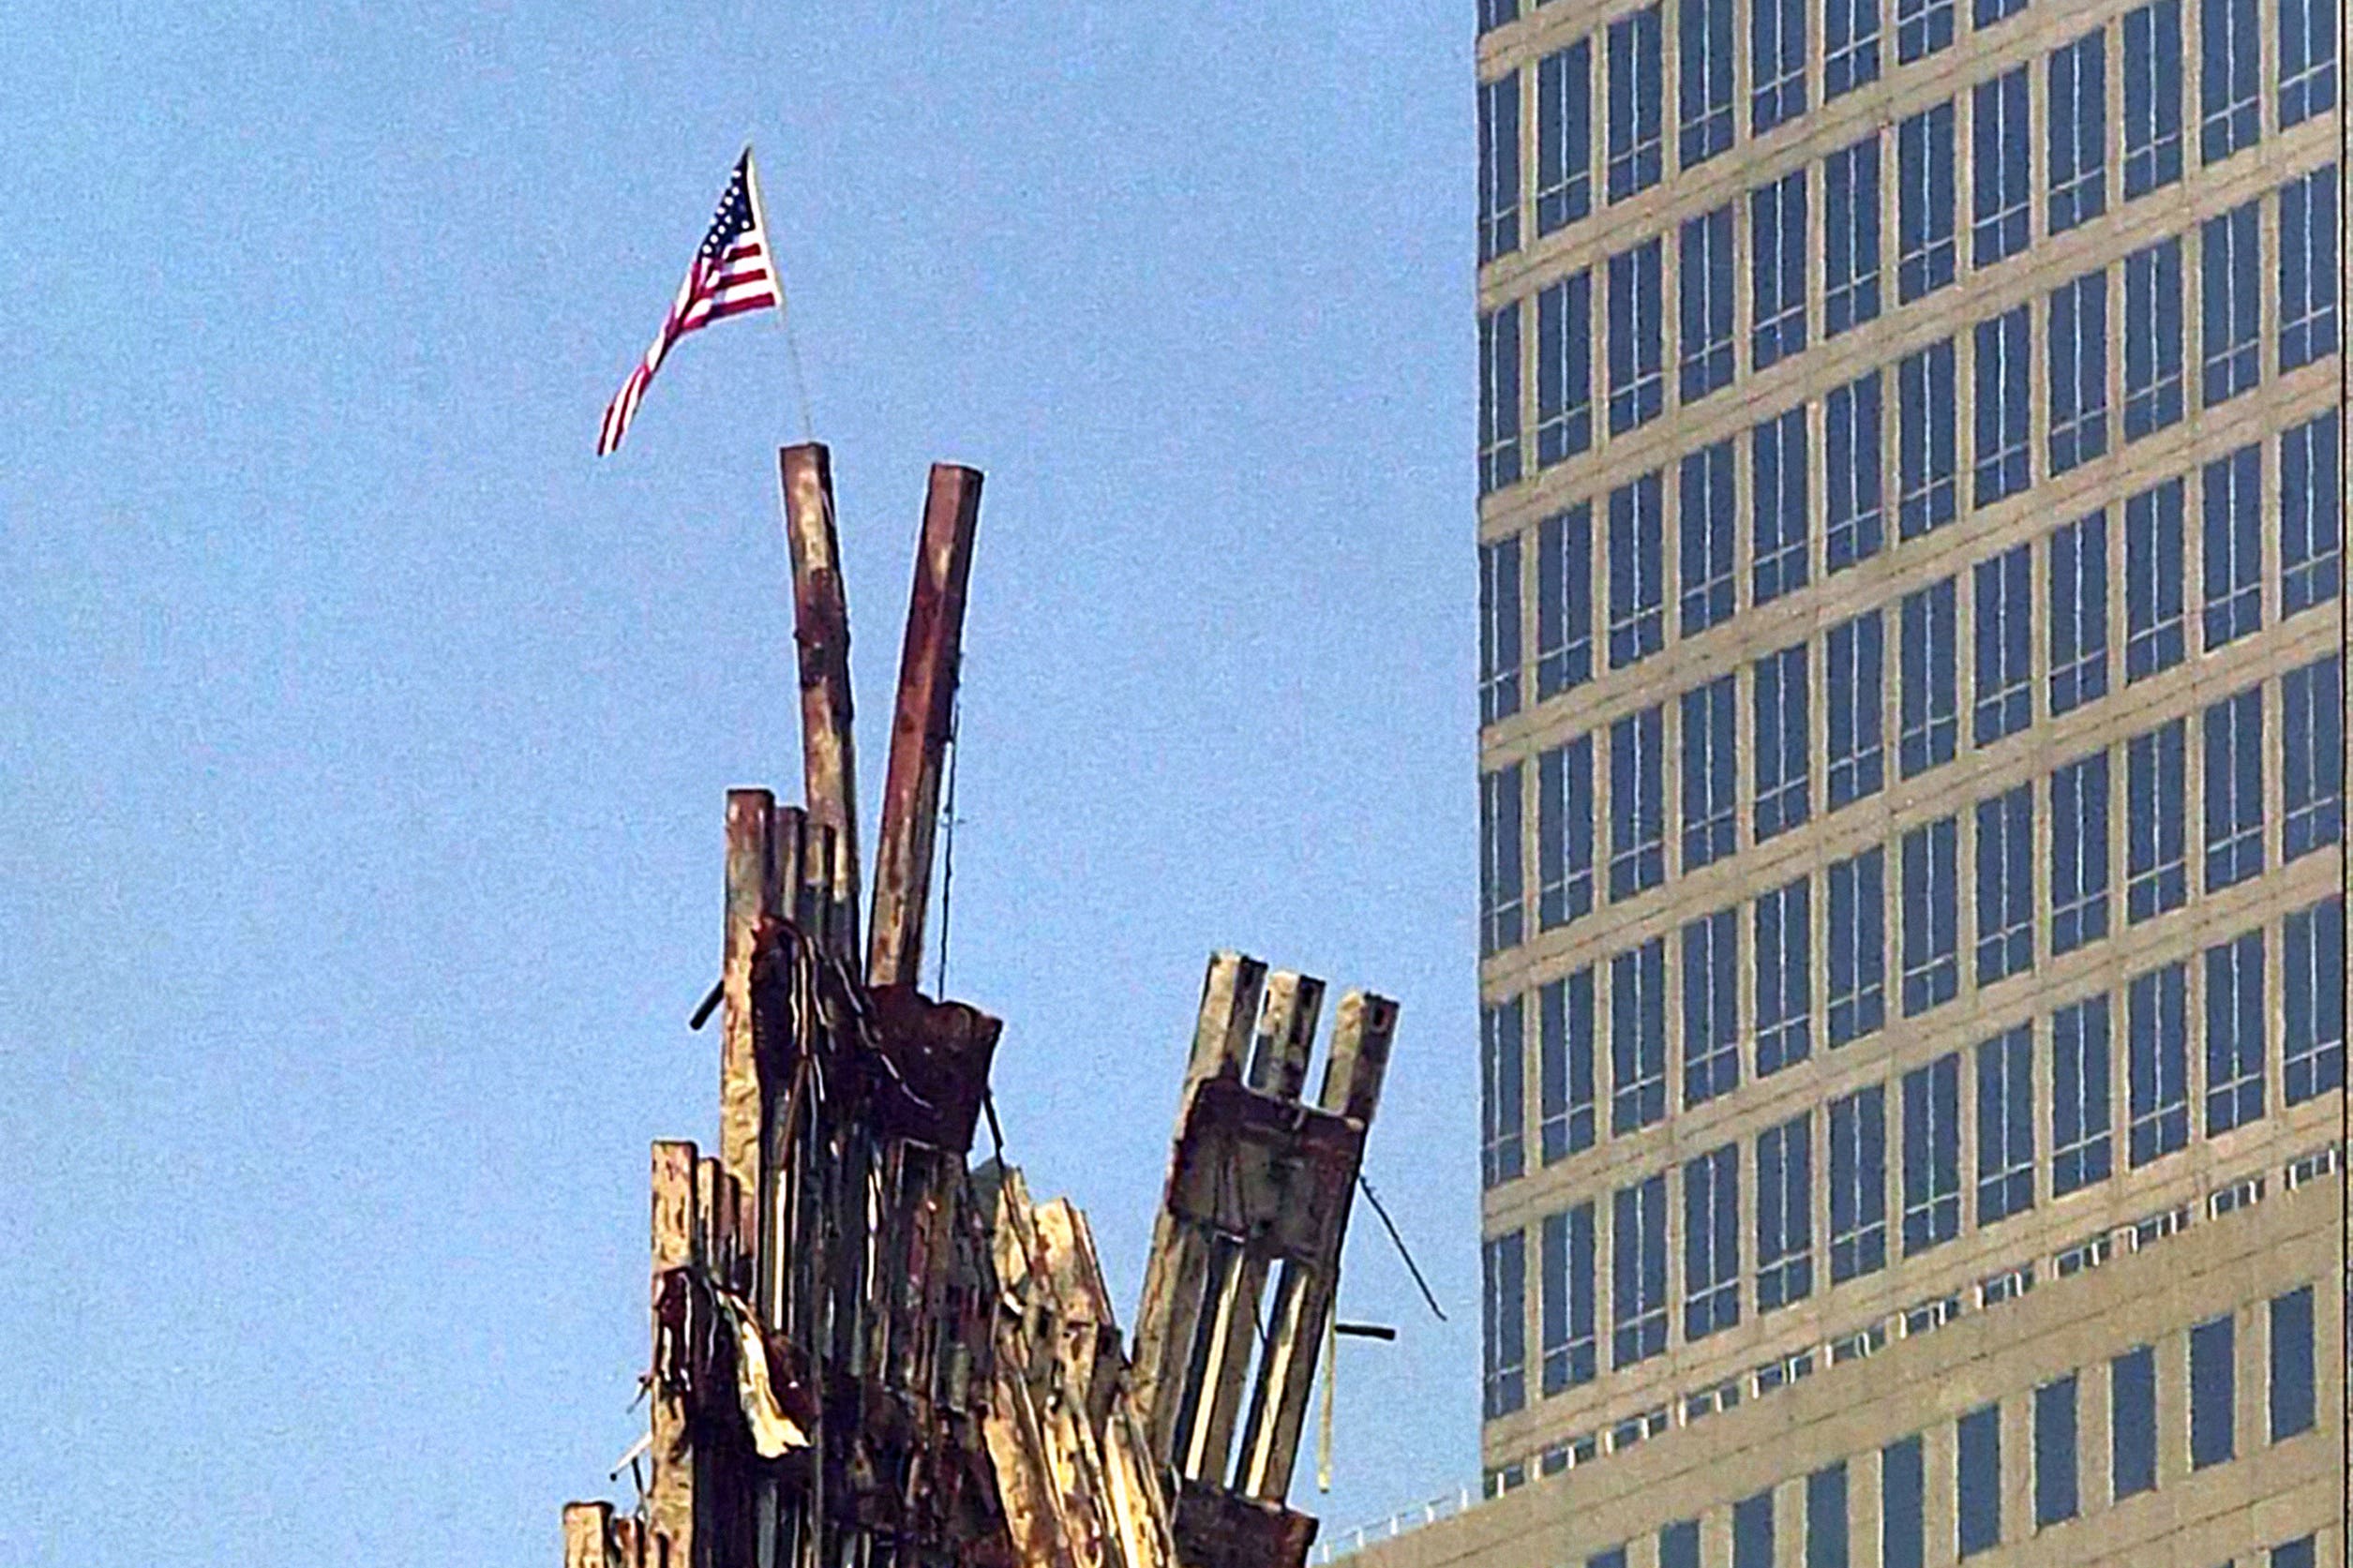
{"x":1176,"y":1280}
{"x":670,"y":1491}
{"x":820,"y":630}
{"x":787,"y":837}
{"x":1304,"y":1296}
{"x":1077,"y":1484}
{"x":751,"y":899}
{"x":1286,"y":1034}
{"x":1230,"y":994}
{"x":928,"y":670}
{"x":587,"y":1535}
{"x":1229,"y":1335}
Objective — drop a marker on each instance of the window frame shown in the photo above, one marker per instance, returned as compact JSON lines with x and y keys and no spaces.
{"x":2079,"y":800}
{"x":1564,"y":120}
{"x":1931,"y":915}
{"x":2001,"y":168}
{"x":2006,"y":1152}
{"x":2151,"y":67}
{"x":2081,"y":1142}
{"x":1926,"y":248}
{"x":1857,"y":959}
{"x":2077,"y":366}
{"x":2156,"y":861}
{"x":1777,"y":228}
{"x":2001,"y":368}
{"x":1710,"y":1015}
{"x":1711,"y":1243}
{"x":2076,"y":156}
{"x":1851,"y":235}
{"x":1638,"y":826}
{"x":1932,"y":1162}
{"x":1634,"y":135}
{"x":2157,"y":1064}
{"x":1858,"y":1183}
{"x":1711,"y":782}
{"x":1707,"y":508}
{"x":1781,"y":957}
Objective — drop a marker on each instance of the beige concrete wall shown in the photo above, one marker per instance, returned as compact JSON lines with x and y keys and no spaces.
{"x":2267,"y":1494}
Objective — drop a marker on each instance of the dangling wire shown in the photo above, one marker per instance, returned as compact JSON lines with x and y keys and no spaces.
{"x":947,"y":835}
{"x":1399,"y":1242}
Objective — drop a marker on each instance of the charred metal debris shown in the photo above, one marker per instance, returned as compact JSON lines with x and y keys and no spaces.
{"x":869,"y":1352}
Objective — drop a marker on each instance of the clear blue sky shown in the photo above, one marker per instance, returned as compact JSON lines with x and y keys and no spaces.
{"x":362,"y":739}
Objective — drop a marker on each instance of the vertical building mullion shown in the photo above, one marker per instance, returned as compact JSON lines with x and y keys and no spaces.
{"x":1866,"y":1478}
{"x":2250,"y":1379}
{"x":1891,"y":185}
{"x":2328,"y":1330}
{"x":1964,"y":596}
{"x":2268,"y":215}
{"x":1743,"y":499}
{"x":1817,"y":222}
{"x":1531,"y":1115}
{"x":2112,"y":175}
{"x":1744,"y":255}
{"x":2120,"y":1020}
{"x":1817,"y":879}
{"x":2040,"y":551}
{"x":1523,"y":678}
{"x":2193,"y":101}
{"x":1716,"y":1525}
{"x":2194,"y":348}
{"x":2273,"y":708}
{"x":1743,"y":76}
{"x":2194,"y":961}
{"x":1596,"y":165}
{"x":1597,"y":371}
{"x":1964,"y":1048}
{"x":2172,"y":1370}
{"x":2017,"y":1466}
{"x":2112,"y":290}
{"x":1964,"y":101}
{"x":1938,"y":1504}
{"x":2095,"y":1426}
{"x":2267,"y":463}
{"x":1523,"y":154}
{"x":1670,"y":109}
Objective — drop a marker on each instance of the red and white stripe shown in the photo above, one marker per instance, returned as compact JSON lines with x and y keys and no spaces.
{"x":744,"y":279}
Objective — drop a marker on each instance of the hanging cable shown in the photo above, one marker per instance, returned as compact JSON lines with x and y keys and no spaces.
{"x":1390,"y":1225}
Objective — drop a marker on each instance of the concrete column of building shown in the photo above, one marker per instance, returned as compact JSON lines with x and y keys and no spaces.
{"x":1938,"y":1506}
{"x":2095,"y":1434}
{"x":2017,"y":1468}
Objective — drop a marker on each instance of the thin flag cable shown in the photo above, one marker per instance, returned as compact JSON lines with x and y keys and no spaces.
{"x":784,"y":316}
{"x":800,"y":387}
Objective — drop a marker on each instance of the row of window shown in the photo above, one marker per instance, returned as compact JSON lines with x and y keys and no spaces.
{"x":2158,"y":380}
{"x":2233,"y":496}
{"x":1568,"y":1046}
{"x":2207,"y":1370}
{"x":1848,"y":1143}
{"x":1576,"y":798}
{"x":1632,"y":103}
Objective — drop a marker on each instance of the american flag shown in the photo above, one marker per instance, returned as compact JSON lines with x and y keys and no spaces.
{"x":734,"y":271}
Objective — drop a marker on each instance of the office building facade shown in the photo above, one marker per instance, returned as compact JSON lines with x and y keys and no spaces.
{"x":1911,"y":787}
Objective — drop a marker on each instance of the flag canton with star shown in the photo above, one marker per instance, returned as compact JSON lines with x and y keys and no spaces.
{"x":732,"y":221}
